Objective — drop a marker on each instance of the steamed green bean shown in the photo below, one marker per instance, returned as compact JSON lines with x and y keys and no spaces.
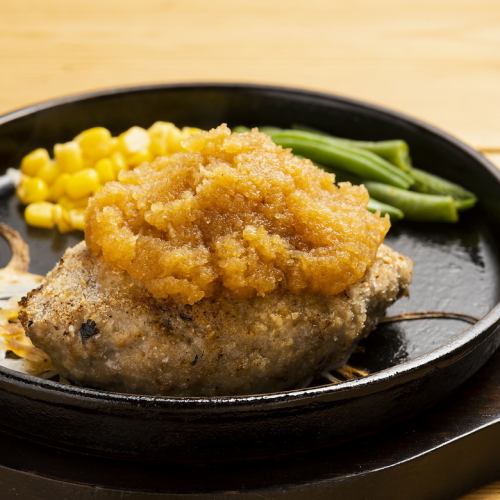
{"x":383,"y":164}
{"x":395,"y":151}
{"x":361,"y":163}
{"x":415,"y":206}
{"x":432,"y":184}
{"x":393,"y":212}
{"x":384,"y":167}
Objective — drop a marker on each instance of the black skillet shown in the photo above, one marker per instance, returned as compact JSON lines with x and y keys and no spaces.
{"x":413,"y":365}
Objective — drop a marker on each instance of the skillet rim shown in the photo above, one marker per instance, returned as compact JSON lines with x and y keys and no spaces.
{"x":42,"y":389}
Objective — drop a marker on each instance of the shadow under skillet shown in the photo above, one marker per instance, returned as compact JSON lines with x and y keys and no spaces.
{"x":440,"y":454}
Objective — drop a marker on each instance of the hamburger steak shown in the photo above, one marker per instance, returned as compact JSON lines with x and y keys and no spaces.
{"x":103,"y":329}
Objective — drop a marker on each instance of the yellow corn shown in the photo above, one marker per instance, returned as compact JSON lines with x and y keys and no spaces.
{"x":34,"y":161}
{"x":159,"y":134}
{"x":191,"y":130}
{"x":32,"y":189}
{"x":192,"y":143}
{"x":49,"y":172}
{"x":105,"y":170}
{"x":80,"y":168}
{"x":65,"y":202}
{"x":40,"y":214}
{"x":139,"y":158}
{"x":58,"y":187}
{"x":174,"y":140}
{"x":134,"y":140}
{"x":188,"y":141}
{"x":68,"y":203}
{"x":119,"y":162}
{"x":77,"y":218}
{"x":69,"y":156}
{"x":82,"y":183}
{"x":62,"y":220}
{"x":95,"y":143}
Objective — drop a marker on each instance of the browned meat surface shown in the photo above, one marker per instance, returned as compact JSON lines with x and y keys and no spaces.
{"x":102,"y":329}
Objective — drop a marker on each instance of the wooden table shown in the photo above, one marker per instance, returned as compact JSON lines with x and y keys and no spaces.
{"x":439,"y":61}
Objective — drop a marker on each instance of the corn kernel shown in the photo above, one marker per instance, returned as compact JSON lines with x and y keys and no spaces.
{"x":191,"y":130}
{"x":66,"y":202}
{"x":174,"y":140}
{"x":119,"y":162}
{"x":95,"y":143}
{"x":62,"y":220}
{"x":139,"y":157}
{"x":88,"y":163}
{"x":40,"y":214}
{"x":82,"y":183}
{"x":105,"y":170}
{"x":190,"y":143}
{"x":58,"y":187}
{"x":57,"y":212}
{"x":115,"y":144}
{"x":82,"y":202}
{"x":69,"y":156}
{"x":69,"y":204}
{"x":48,"y":172}
{"x":32,"y":189}
{"x":34,"y":161}
{"x":134,"y":140}
{"x":77,"y":218}
{"x":159,"y":133}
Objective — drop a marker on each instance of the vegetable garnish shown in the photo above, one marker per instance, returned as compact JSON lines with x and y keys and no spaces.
{"x":386,"y":169}
{"x":56,"y":191}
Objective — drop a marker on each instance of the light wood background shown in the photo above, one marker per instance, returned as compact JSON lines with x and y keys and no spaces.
{"x":438,"y":60}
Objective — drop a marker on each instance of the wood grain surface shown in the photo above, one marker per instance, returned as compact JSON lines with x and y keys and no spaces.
{"x":439,"y":61}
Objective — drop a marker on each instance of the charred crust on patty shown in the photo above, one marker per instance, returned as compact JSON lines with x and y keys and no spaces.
{"x":88,"y":330}
{"x":23,"y":317}
{"x":186,"y":316}
{"x":23,"y":302}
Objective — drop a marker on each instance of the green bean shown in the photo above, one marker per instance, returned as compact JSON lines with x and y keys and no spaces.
{"x":393,"y":212}
{"x":270,"y":130}
{"x":265,"y":129}
{"x":387,"y":162}
{"x":395,"y":151}
{"x":362,"y":163}
{"x":432,"y":184}
{"x":416,"y":206}
{"x":465,"y":204}
{"x":240,"y":128}
{"x":325,"y":140}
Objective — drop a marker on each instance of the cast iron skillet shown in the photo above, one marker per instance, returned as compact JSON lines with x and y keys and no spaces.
{"x":414,"y":365}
